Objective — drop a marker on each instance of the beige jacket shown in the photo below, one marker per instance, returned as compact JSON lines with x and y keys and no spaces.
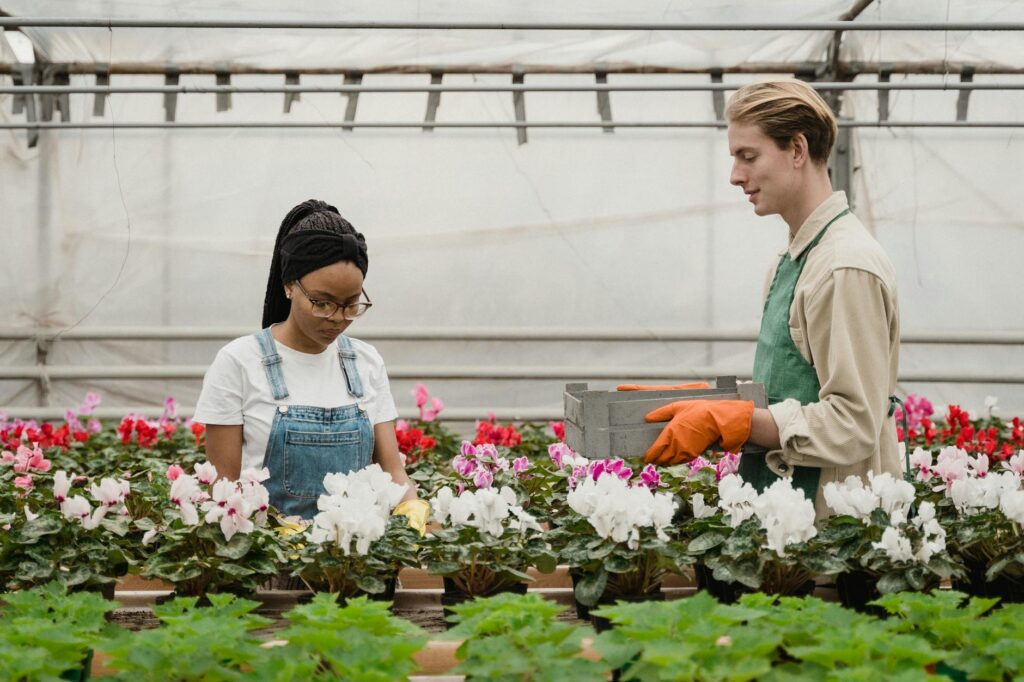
{"x":845,"y":322}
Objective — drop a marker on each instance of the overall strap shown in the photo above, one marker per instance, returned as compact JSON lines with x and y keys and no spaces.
{"x":347,"y":358}
{"x":272,"y":364}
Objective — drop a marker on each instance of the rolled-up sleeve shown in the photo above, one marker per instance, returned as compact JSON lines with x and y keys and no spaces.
{"x":848,"y":327}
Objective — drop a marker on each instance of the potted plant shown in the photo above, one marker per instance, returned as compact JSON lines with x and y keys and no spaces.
{"x":516,"y":637}
{"x":983,"y":510}
{"x":195,"y":644}
{"x":360,"y":641}
{"x":209,"y":535}
{"x":55,"y":532}
{"x":353,"y":545}
{"x":759,"y":541}
{"x":47,"y":633}
{"x":484,"y":543}
{"x":884,"y":550}
{"x":615,"y":537}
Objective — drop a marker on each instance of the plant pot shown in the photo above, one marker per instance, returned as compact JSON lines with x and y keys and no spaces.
{"x":390,"y":585}
{"x":603,"y":624}
{"x":453,"y":596}
{"x":1005,"y":588}
{"x":856,"y":589}
{"x":726,"y":593}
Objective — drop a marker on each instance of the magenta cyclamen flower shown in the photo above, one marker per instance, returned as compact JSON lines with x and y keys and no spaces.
{"x":91,"y":402}
{"x":421,"y":395}
{"x":520,"y":464}
{"x":650,"y":477}
{"x":697,"y":464}
{"x":170,"y":410}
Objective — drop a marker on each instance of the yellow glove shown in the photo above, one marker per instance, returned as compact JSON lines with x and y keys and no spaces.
{"x":416,"y":511}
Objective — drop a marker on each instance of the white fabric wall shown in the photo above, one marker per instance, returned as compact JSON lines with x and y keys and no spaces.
{"x":577,"y":229}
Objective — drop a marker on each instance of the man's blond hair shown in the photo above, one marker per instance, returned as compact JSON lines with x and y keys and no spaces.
{"x":783,"y":109}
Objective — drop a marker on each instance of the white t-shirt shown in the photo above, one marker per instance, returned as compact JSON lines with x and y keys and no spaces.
{"x":236,"y":389}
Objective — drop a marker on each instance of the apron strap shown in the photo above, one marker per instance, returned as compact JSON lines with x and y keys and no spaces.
{"x":893,"y":401}
{"x":272,"y":364}
{"x":347,"y":358}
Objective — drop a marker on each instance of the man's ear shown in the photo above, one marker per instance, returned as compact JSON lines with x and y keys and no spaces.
{"x":798,"y":148}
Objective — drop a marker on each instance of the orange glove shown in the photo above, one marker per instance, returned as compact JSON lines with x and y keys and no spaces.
{"x":696,"y":425}
{"x":666,"y":387}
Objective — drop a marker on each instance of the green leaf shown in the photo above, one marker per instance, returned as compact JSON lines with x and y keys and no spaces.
{"x":237,"y":548}
{"x":707,"y":541}
{"x":590,"y":587}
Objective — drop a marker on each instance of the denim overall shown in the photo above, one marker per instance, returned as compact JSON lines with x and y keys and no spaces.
{"x":783,"y":371}
{"x":306,"y":443}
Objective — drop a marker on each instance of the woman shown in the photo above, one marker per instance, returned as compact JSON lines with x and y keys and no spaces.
{"x":299,"y":397}
{"x":828,"y":350}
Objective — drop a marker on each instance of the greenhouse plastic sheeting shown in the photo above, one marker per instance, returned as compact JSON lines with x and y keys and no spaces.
{"x":637,"y":230}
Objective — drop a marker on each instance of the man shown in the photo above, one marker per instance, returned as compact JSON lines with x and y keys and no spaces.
{"x":828,"y":349}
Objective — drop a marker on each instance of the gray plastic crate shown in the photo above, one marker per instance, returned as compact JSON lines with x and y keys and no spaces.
{"x":600,"y":424}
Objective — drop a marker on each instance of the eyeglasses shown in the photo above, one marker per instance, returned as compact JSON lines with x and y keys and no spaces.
{"x":349,"y":311}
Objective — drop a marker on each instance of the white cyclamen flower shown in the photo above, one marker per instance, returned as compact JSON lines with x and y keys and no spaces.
{"x":934,"y":540}
{"x":894,"y":494}
{"x":206,"y":473}
{"x":896,"y":546}
{"x":61,"y":486}
{"x":701,"y":510}
{"x":736,"y":499}
{"x":786,"y":515}
{"x":185,"y":493}
{"x":441,"y":503}
{"x":1012,"y":505}
{"x":851,"y":498}
{"x":387,"y":492}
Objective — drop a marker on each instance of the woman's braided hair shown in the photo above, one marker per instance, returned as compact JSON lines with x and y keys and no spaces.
{"x":313,"y":215}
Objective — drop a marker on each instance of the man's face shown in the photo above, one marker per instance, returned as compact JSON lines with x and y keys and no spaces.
{"x":765,"y":173}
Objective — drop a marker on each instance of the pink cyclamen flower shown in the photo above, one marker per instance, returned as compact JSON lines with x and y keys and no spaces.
{"x":520,"y":464}
{"x":921,"y":460}
{"x":6,"y":457}
{"x":559,"y":452}
{"x":483,"y":478}
{"x":697,"y":464}
{"x":401,"y":425}
{"x":487,"y":451}
{"x":91,"y":402}
{"x":170,"y":409}
{"x":1016,"y":463}
{"x":206,"y":473}
{"x":463,"y":466}
{"x":650,"y":477}
{"x":95,"y":426}
{"x":420,"y":395}
{"x":233,"y":514}
{"x":728,"y":464}
{"x":467,"y":449}
{"x":61,"y":486}
{"x":429,"y":414}
{"x":174,"y":471}
{"x":23,"y":482}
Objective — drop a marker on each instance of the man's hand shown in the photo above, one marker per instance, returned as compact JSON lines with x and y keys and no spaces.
{"x":695,"y":425}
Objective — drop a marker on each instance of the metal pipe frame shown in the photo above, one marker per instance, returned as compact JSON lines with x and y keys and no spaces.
{"x":111,"y":23}
{"x":996,"y":338}
{"x":480,"y":373}
{"x":345,"y":89}
{"x":857,"y":68}
{"x":474,"y":124}
{"x":451,"y":414}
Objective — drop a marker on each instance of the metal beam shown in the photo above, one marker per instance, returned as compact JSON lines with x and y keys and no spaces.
{"x":520,"y":125}
{"x":109,"y":23}
{"x":451,"y":414}
{"x":973,"y":337}
{"x":480,"y":373}
{"x":599,"y":86}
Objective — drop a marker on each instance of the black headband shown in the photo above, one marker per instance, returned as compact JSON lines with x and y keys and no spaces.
{"x":304,"y":251}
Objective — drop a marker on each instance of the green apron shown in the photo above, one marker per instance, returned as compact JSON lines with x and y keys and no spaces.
{"x":783,"y":371}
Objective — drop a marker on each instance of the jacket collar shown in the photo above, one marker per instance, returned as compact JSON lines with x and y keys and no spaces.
{"x":816,"y":222}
